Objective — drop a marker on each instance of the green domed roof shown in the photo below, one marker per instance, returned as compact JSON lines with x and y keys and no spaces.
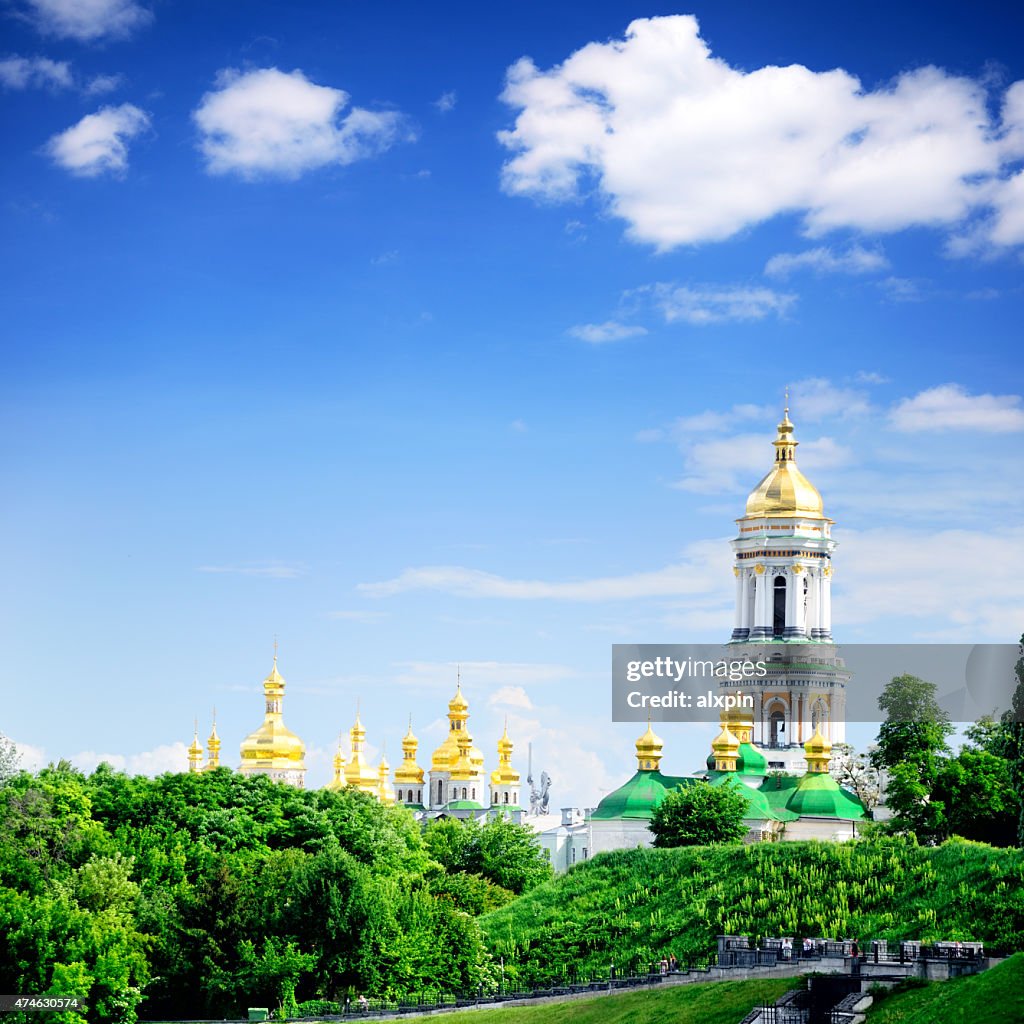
{"x":638,"y":797}
{"x":818,"y":795}
{"x":758,"y":806}
{"x":751,"y":761}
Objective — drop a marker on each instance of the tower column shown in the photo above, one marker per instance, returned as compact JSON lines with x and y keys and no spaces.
{"x":795,"y":603}
{"x":826,"y":604}
{"x":741,"y":629}
{"x":814,"y":606}
{"x":762,"y":628}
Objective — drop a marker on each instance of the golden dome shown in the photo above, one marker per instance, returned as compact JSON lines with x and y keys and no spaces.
{"x":740,"y":722}
{"x":505,"y":774}
{"x":385,"y":791}
{"x":273,"y":746}
{"x":359,"y":772}
{"x":195,"y":752}
{"x":785,"y":491}
{"x":409,"y":771}
{"x":818,"y":751}
{"x":648,"y":750}
{"x":725,"y":747}
{"x":451,"y":752}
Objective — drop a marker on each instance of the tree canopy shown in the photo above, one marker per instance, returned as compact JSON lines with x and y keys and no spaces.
{"x":699,"y":815}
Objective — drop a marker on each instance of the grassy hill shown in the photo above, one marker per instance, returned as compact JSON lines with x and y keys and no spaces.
{"x":643,"y":904}
{"x":995,"y":997}
{"x":724,"y":1002}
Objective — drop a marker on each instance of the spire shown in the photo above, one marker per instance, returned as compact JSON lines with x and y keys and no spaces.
{"x":505,"y":774}
{"x":195,"y":752}
{"x":648,"y":750}
{"x":818,"y":752}
{"x":385,"y":791}
{"x":213,"y":745}
{"x":725,"y":748}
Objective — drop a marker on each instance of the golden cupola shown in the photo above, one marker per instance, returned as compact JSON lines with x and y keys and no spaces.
{"x":818,"y":752}
{"x":213,"y":745}
{"x":450,"y":752}
{"x":726,"y":748}
{"x":785,"y":492}
{"x":409,"y":773}
{"x":338,"y":780}
{"x":385,"y":791}
{"x":195,"y":752}
{"x":648,"y":750}
{"x":505,"y":774}
{"x":273,"y":749}
{"x":358,"y":771}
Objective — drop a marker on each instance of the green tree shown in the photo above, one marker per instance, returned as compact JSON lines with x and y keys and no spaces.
{"x":1013,"y":740}
{"x":699,"y":815}
{"x":9,"y":758}
{"x":912,"y":748}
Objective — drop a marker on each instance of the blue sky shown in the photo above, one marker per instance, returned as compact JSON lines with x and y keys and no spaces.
{"x":346,"y":324}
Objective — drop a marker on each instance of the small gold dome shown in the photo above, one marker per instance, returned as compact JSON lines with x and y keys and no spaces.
{"x":818,"y":751}
{"x":273,"y":745}
{"x":785,"y":491}
{"x":648,"y":750}
{"x":458,"y":702}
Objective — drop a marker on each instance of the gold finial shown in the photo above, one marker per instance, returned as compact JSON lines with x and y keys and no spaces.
{"x":786,"y":410}
{"x":275,"y":648}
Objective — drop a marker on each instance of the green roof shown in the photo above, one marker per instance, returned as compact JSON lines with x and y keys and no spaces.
{"x":463,"y":805}
{"x":753,"y":761}
{"x":818,"y":795}
{"x":638,"y":797}
{"x":759,"y":808}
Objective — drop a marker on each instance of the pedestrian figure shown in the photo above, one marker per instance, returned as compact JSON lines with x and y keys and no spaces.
{"x":787,"y":949}
{"x":664,"y":967}
{"x":673,"y":963}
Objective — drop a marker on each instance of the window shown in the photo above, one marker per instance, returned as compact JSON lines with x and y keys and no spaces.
{"x":779,"y":607}
{"x":506,"y":798}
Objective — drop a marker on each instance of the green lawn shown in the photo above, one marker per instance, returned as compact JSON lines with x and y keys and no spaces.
{"x":722,"y":1002}
{"x":995,"y":997}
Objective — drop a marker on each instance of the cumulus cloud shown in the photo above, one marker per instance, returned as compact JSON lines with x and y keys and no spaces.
{"x":35,"y":73}
{"x":170,"y":757}
{"x":511,"y":697}
{"x":686,"y":148}
{"x":98,"y":144}
{"x":894,"y":573}
{"x":100,"y":85}
{"x":464,"y":582}
{"x":950,"y":407}
{"x":446,"y":101}
{"x":272,"y":123}
{"x":816,"y":398}
{"x":822,"y":260}
{"x":87,"y":20}
{"x":704,"y":304}
{"x":610,"y":330}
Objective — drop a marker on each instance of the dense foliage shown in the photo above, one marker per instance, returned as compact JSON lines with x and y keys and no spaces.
{"x":935,"y":794}
{"x":206,"y":893}
{"x":699,"y":816}
{"x":643,"y":904}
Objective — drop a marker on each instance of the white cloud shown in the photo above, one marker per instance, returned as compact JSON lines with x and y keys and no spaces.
{"x":901,"y":289}
{"x":816,"y":399}
{"x":822,"y":260}
{"x":610,"y":330}
{"x":704,"y":304}
{"x":950,"y":407}
{"x":87,"y":20}
{"x":446,"y":101}
{"x":687,"y":149}
{"x":30,"y":758}
{"x":870,"y":377}
{"x":518,"y":427}
{"x":35,"y":73}
{"x":100,"y":85}
{"x":891,"y":573}
{"x":511,"y":697}
{"x":270,"y":570}
{"x":465,"y":582}
{"x":170,"y":757}
{"x":98,"y":144}
{"x":711,"y":421}
{"x":267,"y":122}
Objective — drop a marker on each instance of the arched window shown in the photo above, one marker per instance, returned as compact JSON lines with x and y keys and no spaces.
{"x":777,"y":728}
{"x":440,"y":791}
{"x":506,"y":798}
{"x":779,"y":607}
{"x":463,"y":792}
